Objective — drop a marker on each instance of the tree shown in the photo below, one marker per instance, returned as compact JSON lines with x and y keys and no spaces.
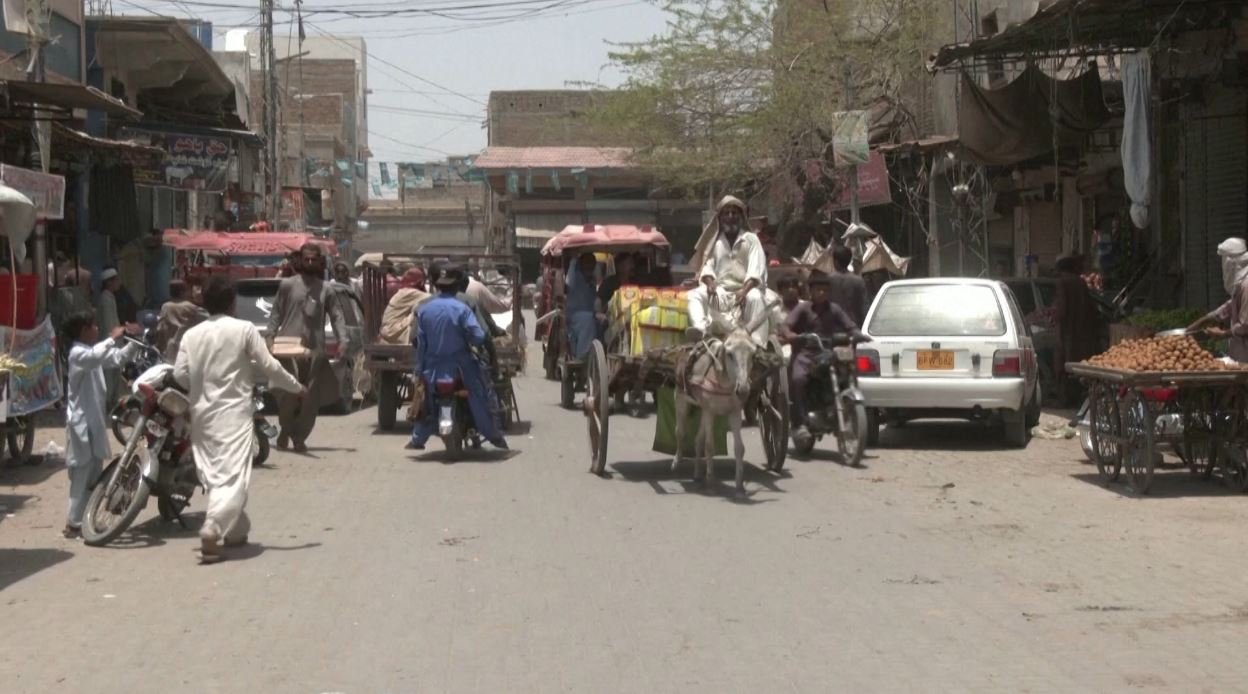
{"x":738,"y":95}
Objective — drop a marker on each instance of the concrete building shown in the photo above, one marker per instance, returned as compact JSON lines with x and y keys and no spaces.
{"x":417,"y":207}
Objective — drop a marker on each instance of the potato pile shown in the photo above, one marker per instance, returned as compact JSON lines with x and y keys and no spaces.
{"x":1177,"y":353}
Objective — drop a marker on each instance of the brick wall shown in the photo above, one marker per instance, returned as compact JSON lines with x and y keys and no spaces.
{"x":544,"y":119}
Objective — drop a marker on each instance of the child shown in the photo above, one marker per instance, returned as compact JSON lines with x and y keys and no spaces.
{"x":86,"y":411}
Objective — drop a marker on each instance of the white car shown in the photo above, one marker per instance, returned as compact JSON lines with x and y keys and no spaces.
{"x":949,"y":348}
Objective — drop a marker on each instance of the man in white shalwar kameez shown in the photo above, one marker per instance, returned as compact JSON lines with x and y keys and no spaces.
{"x":218,"y":362}
{"x":734,"y":273}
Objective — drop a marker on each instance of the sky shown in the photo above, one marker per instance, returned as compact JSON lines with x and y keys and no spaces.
{"x":562,"y":42}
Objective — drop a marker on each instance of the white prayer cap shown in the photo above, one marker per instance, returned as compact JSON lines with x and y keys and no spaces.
{"x":1232,"y":246}
{"x":111,"y":273}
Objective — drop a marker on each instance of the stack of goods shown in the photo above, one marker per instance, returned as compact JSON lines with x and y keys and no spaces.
{"x":656,"y":318}
{"x":1176,"y":353}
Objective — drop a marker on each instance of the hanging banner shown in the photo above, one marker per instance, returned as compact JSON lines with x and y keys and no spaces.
{"x":872,"y":185}
{"x":47,"y":191}
{"x":35,"y":386}
{"x":850,"y":137}
{"x":191,"y":162}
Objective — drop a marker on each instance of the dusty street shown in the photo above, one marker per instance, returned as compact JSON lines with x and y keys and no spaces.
{"x":946,"y":564}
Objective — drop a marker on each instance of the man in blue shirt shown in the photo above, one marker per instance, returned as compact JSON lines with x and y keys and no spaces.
{"x":445,"y":327}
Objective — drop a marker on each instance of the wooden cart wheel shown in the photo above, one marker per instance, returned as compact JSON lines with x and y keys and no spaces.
{"x":773,"y":414}
{"x":1105,"y":426}
{"x":567,"y":385}
{"x":597,"y":406}
{"x":1231,"y":439}
{"x":1199,"y":448}
{"x":1138,"y":428}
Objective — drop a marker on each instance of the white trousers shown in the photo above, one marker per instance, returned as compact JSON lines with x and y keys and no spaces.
{"x":81,"y":477}
{"x":755,"y":305}
{"x":225,"y":518}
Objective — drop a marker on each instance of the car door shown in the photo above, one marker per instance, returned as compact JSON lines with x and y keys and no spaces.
{"x":1024,"y":342}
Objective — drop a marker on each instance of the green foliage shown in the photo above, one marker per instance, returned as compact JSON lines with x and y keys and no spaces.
{"x":1169,"y":319}
{"x":740,"y":93}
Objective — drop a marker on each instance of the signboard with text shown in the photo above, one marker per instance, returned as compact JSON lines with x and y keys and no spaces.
{"x":191,"y":162}
{"x":872,"y":184}
{"x":47,"y":191}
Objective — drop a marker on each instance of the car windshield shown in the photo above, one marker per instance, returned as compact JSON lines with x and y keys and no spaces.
{"x":938,"y":310}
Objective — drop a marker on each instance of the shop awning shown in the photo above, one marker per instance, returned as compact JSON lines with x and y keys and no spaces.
{"x":243,"y":243}
{"x":66,"y":97}
{"x":533,"y":238}
{"x":1092,"y":26}
{"x":101,"y":143}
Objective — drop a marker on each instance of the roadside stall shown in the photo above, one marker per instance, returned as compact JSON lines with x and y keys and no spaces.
{"x":1166,"y":391}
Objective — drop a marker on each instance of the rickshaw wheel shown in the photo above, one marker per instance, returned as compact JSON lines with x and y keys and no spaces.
{"x":773,"y":413}
{"x":597,"y":406}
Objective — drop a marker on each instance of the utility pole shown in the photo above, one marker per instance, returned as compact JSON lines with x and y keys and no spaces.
{"x":41,"y":133}
{"x":269,"y":68}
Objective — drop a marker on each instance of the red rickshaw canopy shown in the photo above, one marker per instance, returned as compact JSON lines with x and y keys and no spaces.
{"x":615,"y":238}
{"x":244,"y":243}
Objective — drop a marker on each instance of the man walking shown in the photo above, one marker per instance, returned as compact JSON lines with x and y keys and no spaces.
{"x":846,"y":289}
{"x":299,"y":312}
{"x":178,"y":315}
{"x":217,"y":362}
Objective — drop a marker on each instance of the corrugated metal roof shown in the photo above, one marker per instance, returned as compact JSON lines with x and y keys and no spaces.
{"x":554,"y":158}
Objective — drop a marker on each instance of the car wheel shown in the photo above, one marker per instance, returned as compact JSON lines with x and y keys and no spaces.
{"x":1016,"y":431}
{"x":873,"y":427}
{"x":1033,"y":407}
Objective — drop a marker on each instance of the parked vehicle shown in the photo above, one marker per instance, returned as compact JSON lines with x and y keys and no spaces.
{"x":835,"y":404}
{"x":255,"y":303}
{"x":129,"y":406}
{"x":265,"y":432}
{"x":950,"y":348}
{"x":157,"y":460}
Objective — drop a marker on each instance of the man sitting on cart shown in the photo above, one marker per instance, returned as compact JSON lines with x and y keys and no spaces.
{"x":734,"y":273}
{"x":581,"y":306}
{"x":445,"y":328}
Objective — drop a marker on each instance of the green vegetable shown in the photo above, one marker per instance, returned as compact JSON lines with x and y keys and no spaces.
{"x":1170,"y":319}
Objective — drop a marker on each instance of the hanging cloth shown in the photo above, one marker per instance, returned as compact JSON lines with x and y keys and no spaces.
{"x":1136,"y":134}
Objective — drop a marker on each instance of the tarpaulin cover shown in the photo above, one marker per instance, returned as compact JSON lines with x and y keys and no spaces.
{"x":1137,"y":134}
{"x":1015,"y":123}
{"x":617,"y":237}
{"x":243,"y":243}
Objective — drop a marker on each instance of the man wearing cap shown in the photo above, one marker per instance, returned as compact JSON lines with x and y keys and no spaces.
{"x":734,"y":273}
{"x":1234,"y":313}
{"x":400,"y":314}
{"x":824,"y":318}
{"x":445,"y":327}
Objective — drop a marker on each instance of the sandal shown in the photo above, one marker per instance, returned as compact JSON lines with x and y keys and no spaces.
{"x":210,"y":552}
{"x":71,"y":533}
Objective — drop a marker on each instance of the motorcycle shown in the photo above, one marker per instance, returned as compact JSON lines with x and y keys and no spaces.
{"x":265,"y":432}
{"x":126,"y":412}
{"x":835,"y":405}
{"x":157,"y":460}
{"x":455,"y":425}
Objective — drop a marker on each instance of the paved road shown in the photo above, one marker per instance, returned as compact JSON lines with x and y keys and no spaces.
{"x":946,"y":564}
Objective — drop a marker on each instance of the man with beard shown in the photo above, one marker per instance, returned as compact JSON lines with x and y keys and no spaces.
{"x":1233,"y":313}
{"x":734,"y":273}
{"x":299,"y":312}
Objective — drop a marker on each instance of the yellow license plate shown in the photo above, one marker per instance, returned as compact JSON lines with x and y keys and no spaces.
{"x":935,"y":360}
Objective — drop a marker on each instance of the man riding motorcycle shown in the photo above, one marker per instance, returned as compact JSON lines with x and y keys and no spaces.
{"x":824,"y":318}
{"x":445,"y":327}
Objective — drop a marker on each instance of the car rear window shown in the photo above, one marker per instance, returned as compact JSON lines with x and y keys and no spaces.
{"x":938,"y":310}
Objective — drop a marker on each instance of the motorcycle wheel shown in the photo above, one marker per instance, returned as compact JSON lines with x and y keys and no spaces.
{"x":262,"y":451}
{"x":455,"y":441}
{"x":118,"y":497}
{"x":853,"y":443}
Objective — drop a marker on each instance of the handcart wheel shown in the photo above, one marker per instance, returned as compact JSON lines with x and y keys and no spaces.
{"x":1138,"y":428}
{"x":1233,"y":452}
{"x":773,"y":413}
{"x":1199,"y":449}
{"x":1105,"y":427}
{"x":597,"y":406}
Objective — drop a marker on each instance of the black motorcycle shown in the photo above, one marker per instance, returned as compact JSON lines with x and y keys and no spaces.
{"x":835,"y":405}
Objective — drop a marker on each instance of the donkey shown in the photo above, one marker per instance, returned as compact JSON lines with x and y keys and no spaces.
{"x":718,"y":382}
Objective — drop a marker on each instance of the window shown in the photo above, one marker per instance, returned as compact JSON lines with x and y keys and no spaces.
{"x":938,"y":310}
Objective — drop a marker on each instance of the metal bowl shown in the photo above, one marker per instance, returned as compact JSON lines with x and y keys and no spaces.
{"x":1177,"y":332}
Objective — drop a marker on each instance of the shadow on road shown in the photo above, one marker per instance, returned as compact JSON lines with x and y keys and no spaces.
{"x":1169,"y":485}
{"x":154,"y":531}
{"x":943,"y":435}
{"x":655,"y":471}
{"x":11,"y":503}
{"x":823,"y":455}
{"x":469,"y":456}
{"x":31,"y":473}
{"x":16,"y":564}
{"x":251,"y":550}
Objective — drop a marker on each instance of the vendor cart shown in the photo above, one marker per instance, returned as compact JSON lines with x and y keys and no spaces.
{"x":1201,"y":415}
{"x":391,"y":365}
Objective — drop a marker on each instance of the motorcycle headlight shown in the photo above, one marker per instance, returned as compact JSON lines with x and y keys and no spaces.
{"x":173,"y":402}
